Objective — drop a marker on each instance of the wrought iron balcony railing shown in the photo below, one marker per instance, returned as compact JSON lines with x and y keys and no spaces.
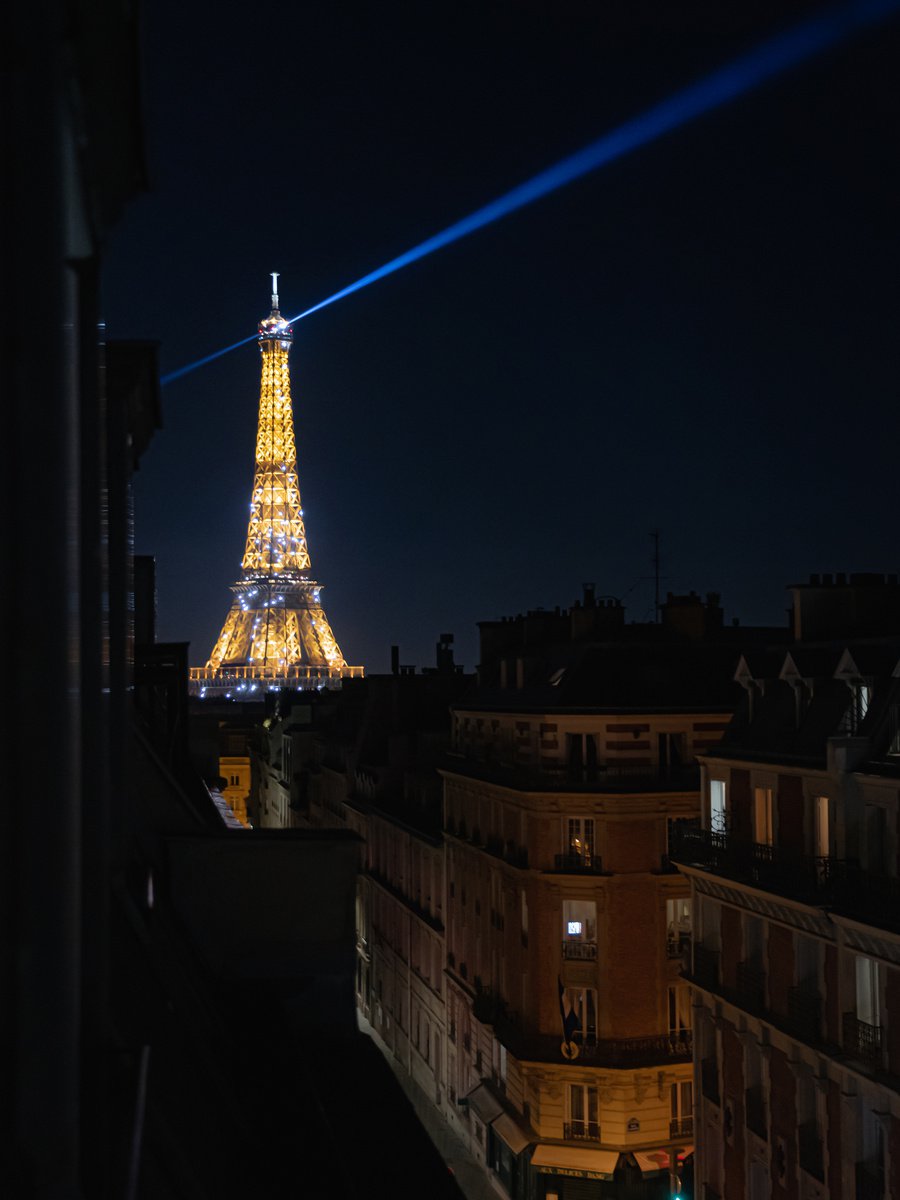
{"x":862,"y":1041}
{"x":578,"y":864}
{"x":579,"y":950}
{"x":678,"y":945}
{"x":681,"y":1127}
{"x":653,"y":1051}
{"x":507,"y":763}
{"x":841,"y":884}
{"x":581,"y":1131}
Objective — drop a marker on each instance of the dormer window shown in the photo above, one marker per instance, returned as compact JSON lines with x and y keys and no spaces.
{"x":860,"y":700}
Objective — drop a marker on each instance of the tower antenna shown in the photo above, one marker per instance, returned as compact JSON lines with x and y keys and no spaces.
{"x":275,"y":275}
{"x":654,"y":533}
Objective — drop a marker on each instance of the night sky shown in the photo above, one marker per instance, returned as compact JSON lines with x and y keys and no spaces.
{"x":700,"y":338}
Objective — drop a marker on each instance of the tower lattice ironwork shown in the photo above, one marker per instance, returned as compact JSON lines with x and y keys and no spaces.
{"x":276,"y":632}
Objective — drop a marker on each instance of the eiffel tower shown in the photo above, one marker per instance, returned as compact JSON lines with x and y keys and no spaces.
{"x":276,"y":633}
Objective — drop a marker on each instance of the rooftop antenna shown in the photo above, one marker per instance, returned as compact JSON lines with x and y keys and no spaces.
{"x":654,"y":533}
{"x":275,"y":275}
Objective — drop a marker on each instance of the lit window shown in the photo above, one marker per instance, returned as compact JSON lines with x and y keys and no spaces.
{"x":718,"y":813}
{"x":581,"y":839}
{"x":763,"y":826}
{"x":584,"y":1112}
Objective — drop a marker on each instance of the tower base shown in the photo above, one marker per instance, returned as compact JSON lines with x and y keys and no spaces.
{"x":246,"y":682}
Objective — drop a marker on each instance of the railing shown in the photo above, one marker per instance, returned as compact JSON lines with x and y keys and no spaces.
{"x":751,"y":984}
{"x":492,"y":759}
{"x":678,"y":946}
{"x":578,"y":864}
{"x":653,"y":1051}
{"x":809,"y":1146}
{"x":841,"y":884}
{"x":862,"y":1041}
{"x":755,"y":1110}
{"x":579,"y":950}
{"x":211,"y":681}
{"x":623,"y":1051}
{"x":516,"y":856}
{"x":681,"y":1127}
{"x":581,"y":1131}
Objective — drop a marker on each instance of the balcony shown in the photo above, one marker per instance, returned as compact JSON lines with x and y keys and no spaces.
{"x":578,"y":864}
{"x":654,"y":1051}
{"x":837,"y":883}
{"x":755,"y":1111}
{"x":580,"y":951}
{"x":678,"y":945}
{"x":581,"y":1131}
{"x":509,"y":852}
{"x":809,"y":1145}
{"x":862,"y":1041}
{"x":681,"y":1127}
{"x":502,"y":764}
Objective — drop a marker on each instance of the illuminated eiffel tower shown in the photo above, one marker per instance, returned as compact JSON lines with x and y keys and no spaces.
{"x":276,"y":633}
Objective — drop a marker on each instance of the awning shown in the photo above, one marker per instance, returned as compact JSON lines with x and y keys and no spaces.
{"x":575,"y":1160}
{"x":507,"y":1128}
{"x":652,"y":1162}
{"x":484,"y":1103}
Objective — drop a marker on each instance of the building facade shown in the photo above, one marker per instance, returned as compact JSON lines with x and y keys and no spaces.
{"x":796,"y":901}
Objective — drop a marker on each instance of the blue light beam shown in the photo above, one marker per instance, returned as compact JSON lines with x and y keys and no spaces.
{"x":766,"y":61}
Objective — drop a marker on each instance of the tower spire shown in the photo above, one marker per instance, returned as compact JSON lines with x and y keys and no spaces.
{"x":276,"y":631}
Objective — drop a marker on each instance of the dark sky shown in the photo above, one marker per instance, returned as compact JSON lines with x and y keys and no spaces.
{"x":699,"y":338}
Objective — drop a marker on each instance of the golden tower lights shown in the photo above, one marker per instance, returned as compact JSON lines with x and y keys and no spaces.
{"x":276,"y":633}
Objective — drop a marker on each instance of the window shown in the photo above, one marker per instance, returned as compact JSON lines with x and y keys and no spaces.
{"x":579,"y":929}
{"x":868,"y":999}
{"x":582,"y":755}
{"x":809,"y":1131}
{"x":755,"y":1091}
{"x":678,"y":927}
{"x":679,"y":1010}
{"x":681,"y":1105}
{"x":893,"y":747}
{"x":763,"y":826}
{"x":821,"y":826}
{"x":718,"y":812}
{"x":672,"y":752}
{"x":580,"y":831}
{"x":584,"y":1112}
{"x":584,"y":1005}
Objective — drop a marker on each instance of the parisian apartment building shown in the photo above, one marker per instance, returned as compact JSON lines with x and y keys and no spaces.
{"x":522,"y":930}
{"x":795,"y":897}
